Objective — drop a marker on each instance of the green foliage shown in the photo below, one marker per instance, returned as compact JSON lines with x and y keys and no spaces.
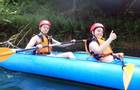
{"x":17,"y":15}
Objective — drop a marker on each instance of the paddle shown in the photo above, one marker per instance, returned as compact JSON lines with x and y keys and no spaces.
{"x":5,"y":52}
{"x":128,"y":71}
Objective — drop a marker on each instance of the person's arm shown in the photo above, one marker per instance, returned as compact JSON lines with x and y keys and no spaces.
{"x":32,"y":42}
{"x":94,"y":47}
{"x":55,"y":42}
{"x":98,"y":49}
{"x":119,"y":55}
{"x":112,"y":37}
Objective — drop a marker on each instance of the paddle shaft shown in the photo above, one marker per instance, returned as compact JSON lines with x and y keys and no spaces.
{"x":77,"y":41}
{"x":34,"y":48}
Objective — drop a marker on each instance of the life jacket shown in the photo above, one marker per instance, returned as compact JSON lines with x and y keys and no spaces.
{"x":45,"y":41}
{"x":106,"y":52}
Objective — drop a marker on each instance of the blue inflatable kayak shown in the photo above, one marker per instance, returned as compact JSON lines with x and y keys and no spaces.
{"x":82,"y":69}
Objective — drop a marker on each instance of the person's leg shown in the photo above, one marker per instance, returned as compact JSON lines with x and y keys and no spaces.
{"x":66,"y":55}
{"x":108,"y":58}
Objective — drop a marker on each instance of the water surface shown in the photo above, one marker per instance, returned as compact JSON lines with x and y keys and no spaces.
{"x":10,"y":80}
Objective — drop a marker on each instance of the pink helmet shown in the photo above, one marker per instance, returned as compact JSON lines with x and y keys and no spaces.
{"x":45,"y":22}
{"x":96,"y":25}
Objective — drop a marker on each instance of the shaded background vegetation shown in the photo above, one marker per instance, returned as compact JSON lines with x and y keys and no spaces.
{"x":72,"y":19}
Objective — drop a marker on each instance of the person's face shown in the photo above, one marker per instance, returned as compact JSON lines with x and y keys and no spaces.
{"x":45,"y":29}
{"x":98,"y":32}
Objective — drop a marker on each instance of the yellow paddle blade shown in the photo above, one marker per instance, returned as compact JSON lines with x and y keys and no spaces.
{"x":127,"y":75}
{"x":4,"y":49}
{"x":5,"y":53}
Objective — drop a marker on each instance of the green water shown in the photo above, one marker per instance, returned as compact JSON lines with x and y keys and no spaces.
{"x":10,"y":80}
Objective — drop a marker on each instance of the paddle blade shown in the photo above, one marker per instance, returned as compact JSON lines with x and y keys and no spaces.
{"x":128,"y":71}
{"x":5,"y":53}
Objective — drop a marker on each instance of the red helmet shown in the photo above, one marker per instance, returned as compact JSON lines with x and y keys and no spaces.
{"x":96,"y":25}
{"x":45,"y":22}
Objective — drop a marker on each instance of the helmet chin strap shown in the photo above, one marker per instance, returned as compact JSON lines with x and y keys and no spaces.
{"x":44,"y":33}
